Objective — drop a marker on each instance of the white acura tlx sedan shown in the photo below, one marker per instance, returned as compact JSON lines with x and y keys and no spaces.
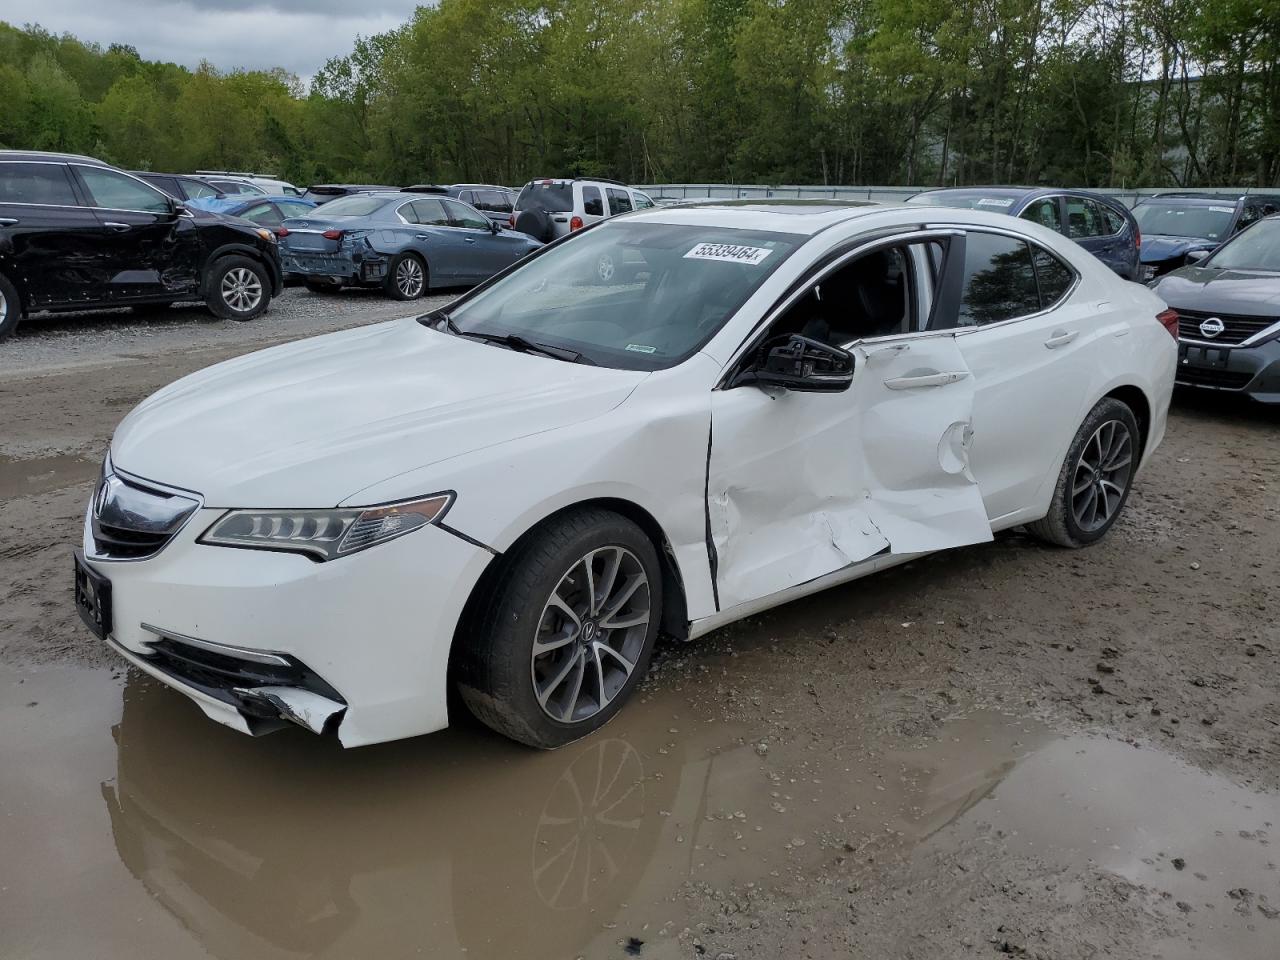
{"x":662,"y":423}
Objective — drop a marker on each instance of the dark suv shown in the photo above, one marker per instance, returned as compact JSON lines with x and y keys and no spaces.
{"x":77,"y":234}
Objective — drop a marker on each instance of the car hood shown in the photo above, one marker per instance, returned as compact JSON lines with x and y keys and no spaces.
{"x":1157,"y":248}
{"x":1207,"y":289}
{"x":312,"y":423}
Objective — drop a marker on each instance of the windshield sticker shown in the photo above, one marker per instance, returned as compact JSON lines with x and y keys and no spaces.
{"x":1223,"y":209}
{"x":995,"y":202}
{"x":732,"y":252}
{"x":641,"y":348}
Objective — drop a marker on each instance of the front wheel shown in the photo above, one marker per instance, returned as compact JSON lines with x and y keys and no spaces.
{"x":10,"y":308}
{"x":238,"y":289}
{"x":566,"y":632}
{"x":1096,"y":477}
{"x":406,"y":277}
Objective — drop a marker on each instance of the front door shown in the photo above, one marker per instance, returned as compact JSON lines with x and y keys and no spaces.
{"x":149,"y":249}
{"x":801,"y":485}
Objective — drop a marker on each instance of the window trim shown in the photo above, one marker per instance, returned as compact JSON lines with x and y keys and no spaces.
{"x":89,"y":194}
{"x":974,"y":328}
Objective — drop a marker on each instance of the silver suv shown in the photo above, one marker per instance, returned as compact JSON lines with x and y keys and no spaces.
{"x":547,"y":209}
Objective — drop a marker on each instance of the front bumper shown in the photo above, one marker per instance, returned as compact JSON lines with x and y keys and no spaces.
{"x":361,"y":643}
{"x":1253,"y":371}
{"x":355,"y":266}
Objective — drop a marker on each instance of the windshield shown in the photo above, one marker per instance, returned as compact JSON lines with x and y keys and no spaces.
{"x":551,"y":196}
{"x":355,"y":205}
{"x":964,"y":199}
{"x":636,"y":296}
{"x":1210,"y":221}
{"x":1257,"y":248}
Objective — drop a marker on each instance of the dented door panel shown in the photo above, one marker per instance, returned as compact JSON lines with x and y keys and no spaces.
{"x":801,"y":485}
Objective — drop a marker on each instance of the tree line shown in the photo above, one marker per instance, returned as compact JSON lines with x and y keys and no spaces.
{"x":1112,"y":93}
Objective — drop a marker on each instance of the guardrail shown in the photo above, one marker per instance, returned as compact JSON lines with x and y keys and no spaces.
{"x":734,"y":191}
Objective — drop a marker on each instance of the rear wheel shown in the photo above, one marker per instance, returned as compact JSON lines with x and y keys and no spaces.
{"x":237,"y":289}
{"x":10,"y":308}
{"x":1096,"y":477}
{"x":406,"y":277}
{"x":566,"y":632}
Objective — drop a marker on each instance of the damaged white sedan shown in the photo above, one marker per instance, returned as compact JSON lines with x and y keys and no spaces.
{"x":665,"y":422}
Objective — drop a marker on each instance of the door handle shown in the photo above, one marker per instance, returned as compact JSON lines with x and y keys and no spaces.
{"x":925,"y":380}
{"x":469,"y":239}
{"x":112,"y":225}
{"x":422,"y":236}
{"x":1060,"y":338}
{"x":7,"y":221}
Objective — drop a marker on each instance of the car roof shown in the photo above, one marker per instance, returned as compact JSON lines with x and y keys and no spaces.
{"x":49,"y":156}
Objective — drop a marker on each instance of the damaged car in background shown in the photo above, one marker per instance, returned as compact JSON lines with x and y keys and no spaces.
{"x":514,"y":495}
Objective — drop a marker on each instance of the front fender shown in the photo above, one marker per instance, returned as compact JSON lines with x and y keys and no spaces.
{"x":272,"y":263}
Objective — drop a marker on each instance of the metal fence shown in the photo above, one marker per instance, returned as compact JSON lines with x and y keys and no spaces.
{"x":734,"y":191}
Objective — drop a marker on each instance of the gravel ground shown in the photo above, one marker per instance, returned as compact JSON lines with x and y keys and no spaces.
{"x":1002,"y":750}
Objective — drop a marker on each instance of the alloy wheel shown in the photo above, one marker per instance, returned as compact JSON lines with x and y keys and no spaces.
{"x":1102,"y":476}
{"x":591,"y":634}
{"x":241,"y":289}
{"x":4,"y":309}
{"x":409,"y":277}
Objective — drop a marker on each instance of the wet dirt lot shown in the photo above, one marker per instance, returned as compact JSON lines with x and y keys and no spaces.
{"x":1002,"y":750}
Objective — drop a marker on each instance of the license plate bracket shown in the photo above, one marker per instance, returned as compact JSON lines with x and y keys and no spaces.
{"x":93,"y":598}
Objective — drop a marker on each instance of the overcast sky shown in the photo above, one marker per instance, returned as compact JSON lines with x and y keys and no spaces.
{"x":299,"y":35}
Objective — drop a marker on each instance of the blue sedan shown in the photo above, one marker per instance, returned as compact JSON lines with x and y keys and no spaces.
{"x":402,"y":242}
{"x":1101,"y":225}
{"x":270,"y":212}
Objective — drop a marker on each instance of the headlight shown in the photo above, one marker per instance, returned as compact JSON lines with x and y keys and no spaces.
{"x":324,"y":534}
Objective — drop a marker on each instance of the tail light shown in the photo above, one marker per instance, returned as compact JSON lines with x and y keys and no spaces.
{"x":332,"y":234}
{"x":511,"y":221}
{"x":575,"y":223}
{"x":1169,"y":320}
{"x":1138,"y":243}
{"x":282,"y":231}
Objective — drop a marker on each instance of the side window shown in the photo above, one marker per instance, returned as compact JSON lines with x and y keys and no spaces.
{"x":464,"y":216}
{"x":290,"y":209}
{"x":430,"y":212}
{"x":115,"y":191}
{"x":1249,"y":215}
{"x":872,"y":295}
{"x":499,"y":201}
{"x":999,"y":280}
{"x":619,"y":202}
{"x":1046,"y":213}
{"x":407,"y":213}
{"x":198,"y":189}
{"x":1084,"y":219}
{"x":1054,"y":276}
{"x":1112,"y":219}
{"x":38,"y":183}
{"x":168,"y":184}
{"x":592,"y":202}
{"x":642,"y":202}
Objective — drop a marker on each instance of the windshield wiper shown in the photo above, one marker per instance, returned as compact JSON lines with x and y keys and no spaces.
{"x":514,"y":341}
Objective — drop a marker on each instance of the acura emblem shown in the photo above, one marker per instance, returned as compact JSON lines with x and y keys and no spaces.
{"x":1212,"y":326}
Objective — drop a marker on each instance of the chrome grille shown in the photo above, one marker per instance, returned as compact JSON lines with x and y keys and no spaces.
{"x":1235,"y":328}
{"x":133,"y":520}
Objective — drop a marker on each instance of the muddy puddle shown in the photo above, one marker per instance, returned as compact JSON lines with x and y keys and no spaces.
{"x":131,"y":826}
{"x":24,"y":478}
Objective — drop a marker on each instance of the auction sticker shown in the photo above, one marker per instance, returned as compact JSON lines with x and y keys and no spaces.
{"x":1223,"y":209}
{"x":731,"y":252}
{"x":1001,"y":202}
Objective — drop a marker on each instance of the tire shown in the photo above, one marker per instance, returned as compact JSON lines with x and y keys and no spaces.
{"x":1076,"y":516}
{"x":10,"y":308}
{"x":536,"y":224}
{"x":237,"y":288}
{"x":322,"y":285}
{"x":547,"y":695}
{"x":406,"y":277}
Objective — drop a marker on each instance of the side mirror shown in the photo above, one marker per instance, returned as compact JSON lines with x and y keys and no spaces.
{"x":494,"y":226}
{"x":1195,"y":256}
{"x":803,"y":365}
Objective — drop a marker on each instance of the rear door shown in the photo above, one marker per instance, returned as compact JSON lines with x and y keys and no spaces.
{"x":801,"y":485}
{"x":445,"y":248}
{"x":480,"y":259}
{"x":50,"y":245}
{"x":1089,"y":226}
{"x":1027,"y":342}
{"x":593,"y":208}
{"x":148,"y":249}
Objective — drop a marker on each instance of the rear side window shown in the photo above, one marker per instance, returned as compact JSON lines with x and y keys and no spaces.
{"x":292,"y":209}
{"x":553,"y":196}
{"x":1112,"y":218}
{"x":592,"y":202}
{"x":168,"y":184}
{"x":642,"y":202}
{"x":999,"y":280}
{"x":1054,"y":276}
{"x":1046,"y":213}
{"x":1084,"y":219}
{"x":619,"y":201}
{"x":41,"y":183}
{"x":498,"y":201}
{"x":430,"y":212}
